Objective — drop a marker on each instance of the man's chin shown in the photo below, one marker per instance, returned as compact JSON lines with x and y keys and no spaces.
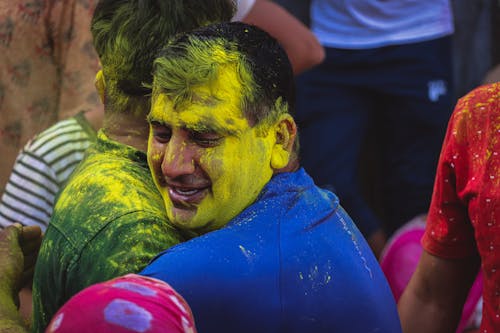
{"x":181,"y":217}
{"x":185,"y":219}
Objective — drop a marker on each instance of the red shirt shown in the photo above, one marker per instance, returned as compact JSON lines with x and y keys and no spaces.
{"x":464,"y":217}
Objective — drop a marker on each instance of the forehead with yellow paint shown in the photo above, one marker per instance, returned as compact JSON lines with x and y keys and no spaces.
{"x":224,"y":175}
{"x":213,"y":107}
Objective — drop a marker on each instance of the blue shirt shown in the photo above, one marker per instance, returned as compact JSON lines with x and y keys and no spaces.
{"x":291,"y":262}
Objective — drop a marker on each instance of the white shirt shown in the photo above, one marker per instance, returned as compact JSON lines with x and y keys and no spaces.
{"x":244,"y":7}
{"x":358,"y":24}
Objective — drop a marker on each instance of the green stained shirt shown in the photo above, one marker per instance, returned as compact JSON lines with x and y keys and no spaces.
{"x":109,"y":220}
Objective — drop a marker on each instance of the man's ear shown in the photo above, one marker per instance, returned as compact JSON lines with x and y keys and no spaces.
{"x":285,"y":131}
{"x":100,"y":85}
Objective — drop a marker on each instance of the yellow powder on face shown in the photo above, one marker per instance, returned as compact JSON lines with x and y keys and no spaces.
{"x":238,"y":167}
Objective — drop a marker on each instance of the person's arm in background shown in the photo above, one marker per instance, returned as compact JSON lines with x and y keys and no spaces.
{"x":300,"y":44}
{"x":18,"y":251}
{"x":377,"y":241}
{"x":436,"y":293}
{"x":493,"y":75}
{"x":433,"y":300}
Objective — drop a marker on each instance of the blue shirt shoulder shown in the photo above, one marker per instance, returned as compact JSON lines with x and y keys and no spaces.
{"x":291,"y":262}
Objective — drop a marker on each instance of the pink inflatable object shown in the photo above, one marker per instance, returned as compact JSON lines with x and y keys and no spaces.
{"x":399,"y":260}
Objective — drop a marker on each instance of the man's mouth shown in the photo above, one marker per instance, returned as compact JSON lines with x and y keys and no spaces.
{"x":187,"y":196}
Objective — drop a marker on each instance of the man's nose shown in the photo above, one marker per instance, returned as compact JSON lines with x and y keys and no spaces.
{"x":178,"y":159}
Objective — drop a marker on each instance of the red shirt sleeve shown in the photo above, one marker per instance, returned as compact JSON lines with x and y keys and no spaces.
{"x":449,"y":231}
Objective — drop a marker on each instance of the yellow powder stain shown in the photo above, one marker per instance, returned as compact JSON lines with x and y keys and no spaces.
{"x":238,"y":167}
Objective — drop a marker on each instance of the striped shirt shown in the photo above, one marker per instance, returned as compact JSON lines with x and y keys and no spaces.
{"x":42,"y":167}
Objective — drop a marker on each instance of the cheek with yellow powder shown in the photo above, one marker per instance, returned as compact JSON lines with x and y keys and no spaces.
{"x":240,"y":166}
{"x":239,"y":169}
{"x":155,"y":156}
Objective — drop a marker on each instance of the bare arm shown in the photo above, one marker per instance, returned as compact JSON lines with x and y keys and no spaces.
{"x":300,"y":44}
{"x":493,"y":75}
{"x":377,"y":241}
{"x":436,"y":293}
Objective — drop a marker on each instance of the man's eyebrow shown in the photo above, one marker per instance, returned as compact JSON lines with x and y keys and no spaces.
{"x":211,"y":127}
{"x":152,"y":120}
{"x":206,"y":126}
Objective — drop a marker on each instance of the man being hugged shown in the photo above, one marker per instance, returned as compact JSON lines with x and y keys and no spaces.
{"x":275,"y":253}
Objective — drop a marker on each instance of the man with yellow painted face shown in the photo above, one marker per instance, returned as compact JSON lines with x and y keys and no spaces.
{"x":275,"y":253}
{"x":109,"y":219}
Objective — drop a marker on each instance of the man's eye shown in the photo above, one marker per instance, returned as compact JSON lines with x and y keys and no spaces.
{"x":206,"y":139}
{"x":162,"y":135}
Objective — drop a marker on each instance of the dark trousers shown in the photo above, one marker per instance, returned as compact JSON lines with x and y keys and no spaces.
{"x":402,"y":95}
